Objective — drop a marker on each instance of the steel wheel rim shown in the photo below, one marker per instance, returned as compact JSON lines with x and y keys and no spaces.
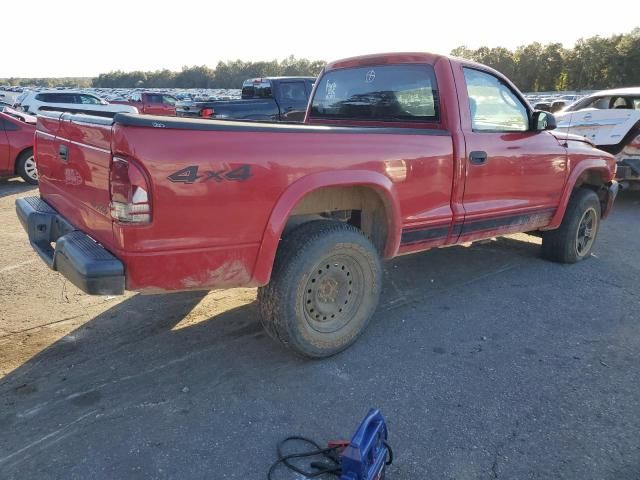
{"x":586,"y":233}
{"x":30,"y":168}
{"x":333,"y":293}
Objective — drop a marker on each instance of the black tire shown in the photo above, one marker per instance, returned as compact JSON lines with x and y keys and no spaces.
{"x":567,"y":244}
{"x":324,"y":288}
{"x":24,"y":167}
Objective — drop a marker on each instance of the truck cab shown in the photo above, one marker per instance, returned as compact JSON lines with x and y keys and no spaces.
{"x":279,"y":99}
{"x":154,"y":103}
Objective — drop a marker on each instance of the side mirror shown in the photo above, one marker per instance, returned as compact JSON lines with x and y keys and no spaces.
{"x":542,"y":121}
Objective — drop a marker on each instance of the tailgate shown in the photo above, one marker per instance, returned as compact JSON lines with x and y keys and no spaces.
{"x":74,"y":156}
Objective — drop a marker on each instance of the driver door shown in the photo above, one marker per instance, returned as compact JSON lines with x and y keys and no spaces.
{"x":514,"y":174}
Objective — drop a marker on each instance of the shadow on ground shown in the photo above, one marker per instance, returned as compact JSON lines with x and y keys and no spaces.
{"x":13,"y":186}
{"x":472,"y":353}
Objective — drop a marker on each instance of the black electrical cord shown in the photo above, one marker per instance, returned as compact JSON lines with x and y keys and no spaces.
{"x":322,"y":468}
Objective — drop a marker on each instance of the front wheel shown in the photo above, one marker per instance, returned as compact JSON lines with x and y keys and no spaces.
{"x":324,"y":288}
{"x":26,"y":167}
{"x":574,"y":239}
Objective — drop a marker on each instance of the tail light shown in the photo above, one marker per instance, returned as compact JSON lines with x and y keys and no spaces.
{"x":207,"y":112}
{"x":129,"y":190}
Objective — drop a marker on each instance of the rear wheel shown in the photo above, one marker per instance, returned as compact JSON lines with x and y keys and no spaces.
{"x":324,"y":288}
{"x":26,"y":167}
{"x":574,"y":239}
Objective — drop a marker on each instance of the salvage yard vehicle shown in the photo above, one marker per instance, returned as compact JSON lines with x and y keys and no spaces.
{"x":399,"y":153}
{"x":611,"y":120}
{"x":151,"y":103}
{"x":273,"y":98}
{"x":68,"y":100}
{"x":16,"y":145}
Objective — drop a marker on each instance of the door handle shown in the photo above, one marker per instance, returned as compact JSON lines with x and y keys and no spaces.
{"x":63,"y":153}
{"x":478,"y":158}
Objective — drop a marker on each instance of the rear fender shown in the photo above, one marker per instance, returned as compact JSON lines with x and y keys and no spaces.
{"x":598,"y":165}
{"x":305,"y":185}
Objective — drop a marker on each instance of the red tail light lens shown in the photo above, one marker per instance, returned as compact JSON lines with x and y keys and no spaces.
{"x":130,"y":202}
{"x":207,"y":112}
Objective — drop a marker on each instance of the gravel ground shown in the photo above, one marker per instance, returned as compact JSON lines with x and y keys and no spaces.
{"x":486,"y":361}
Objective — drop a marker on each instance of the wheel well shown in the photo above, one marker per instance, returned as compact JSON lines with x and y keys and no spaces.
{"x":592,"y":179}
{"x":360,"y":206}
{"x":15,"y":164}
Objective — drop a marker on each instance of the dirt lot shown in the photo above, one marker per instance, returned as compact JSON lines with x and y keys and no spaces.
{"x":487,"y":361}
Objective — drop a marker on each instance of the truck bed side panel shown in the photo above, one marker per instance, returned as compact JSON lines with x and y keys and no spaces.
{"x":213,"y":191}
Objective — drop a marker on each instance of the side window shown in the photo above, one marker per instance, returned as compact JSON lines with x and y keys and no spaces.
{"x":154,"y":98}
{"x":56,"y":98}
{"x":492,"y":104}
{"x":88,"y":100}
{"x":293,"y":91}
{"x":168,"y":100}
{"x":136,"y":97}
{"x":385,"y":92}
{"x":600,"y":103}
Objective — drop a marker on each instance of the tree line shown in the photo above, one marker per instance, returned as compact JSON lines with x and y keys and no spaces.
{"x":593,"y":63}
{"x":225,"y":75}
{"x":47,"y":82}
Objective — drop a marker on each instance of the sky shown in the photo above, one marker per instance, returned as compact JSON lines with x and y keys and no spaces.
{"x":85,"y":38}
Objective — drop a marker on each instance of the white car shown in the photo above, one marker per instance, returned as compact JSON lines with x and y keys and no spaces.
{"x":68,"y":100}
{"x":611,"y":120}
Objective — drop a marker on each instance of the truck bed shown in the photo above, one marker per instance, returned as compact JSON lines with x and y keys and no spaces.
{"x":216,"y":186}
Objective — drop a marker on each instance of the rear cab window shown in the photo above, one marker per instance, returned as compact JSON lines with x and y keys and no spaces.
{"x":256,"y":88}
{"x":390,"y":93}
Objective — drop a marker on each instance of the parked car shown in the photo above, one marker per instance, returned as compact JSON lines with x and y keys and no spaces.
{"x":16,"y":145}
{"x":151,"y":103}
{"x":67,"y":100}
{"x":386,"y":164}
{"x":611,"y":120}
{"x":543,"y":106}
{"x":273,"y":98}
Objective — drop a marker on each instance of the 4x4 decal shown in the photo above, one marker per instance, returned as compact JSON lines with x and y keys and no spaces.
{"x":190,"y":175}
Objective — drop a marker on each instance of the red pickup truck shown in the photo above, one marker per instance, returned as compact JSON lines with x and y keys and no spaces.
{"x":399,"y":153}
{"x":151,"y":103}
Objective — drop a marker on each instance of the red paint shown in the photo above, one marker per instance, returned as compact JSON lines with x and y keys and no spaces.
{"x":223,"y":232}
{"x":14,"y":140}
{"x":149,"y":107}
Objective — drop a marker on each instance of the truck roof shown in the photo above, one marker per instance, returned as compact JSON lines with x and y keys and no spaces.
{"x":250,"y":81}
{"x":382,"y":59}
{"x":617,"y":91}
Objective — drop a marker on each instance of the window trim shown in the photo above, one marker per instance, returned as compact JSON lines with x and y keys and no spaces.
{"x":511,"y":89}
{"x":437,"y":120}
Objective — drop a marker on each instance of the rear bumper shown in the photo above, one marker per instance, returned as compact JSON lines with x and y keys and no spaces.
{"x":79,"y":258}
